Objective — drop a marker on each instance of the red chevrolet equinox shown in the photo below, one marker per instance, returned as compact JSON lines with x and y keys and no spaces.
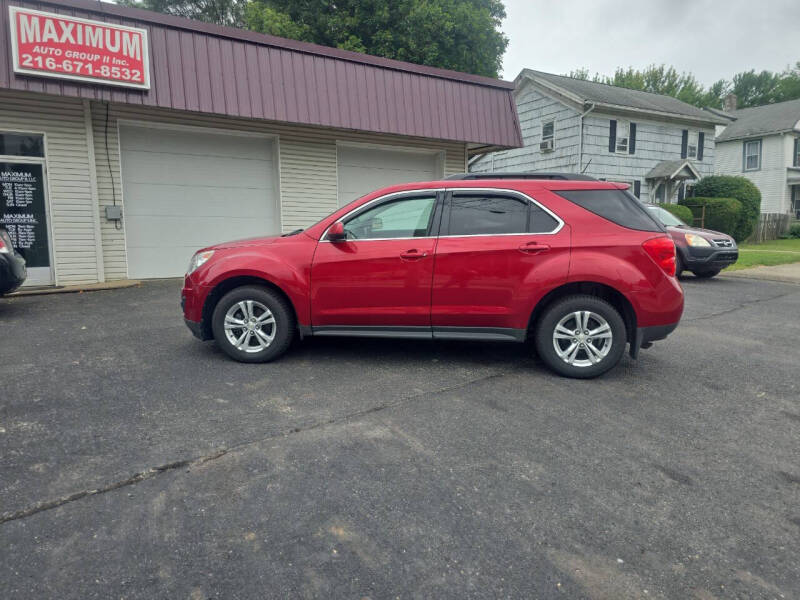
{"x":576,"y":264}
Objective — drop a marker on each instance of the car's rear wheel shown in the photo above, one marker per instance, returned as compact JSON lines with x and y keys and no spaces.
{"x":581,"y":336}
{"x":253,"y":324}
{"x":707,"y":274}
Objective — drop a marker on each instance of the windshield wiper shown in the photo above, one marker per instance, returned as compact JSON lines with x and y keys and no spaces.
{"x":295,"y":232}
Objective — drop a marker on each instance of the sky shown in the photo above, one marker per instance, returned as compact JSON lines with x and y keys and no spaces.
{"x":713,"y":39}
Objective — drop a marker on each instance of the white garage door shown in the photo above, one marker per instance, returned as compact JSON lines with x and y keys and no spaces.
{"x":363,"y":170}
{"x":186,"y":189}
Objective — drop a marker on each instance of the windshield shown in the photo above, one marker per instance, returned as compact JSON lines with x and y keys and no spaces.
{"x":666,"y":217}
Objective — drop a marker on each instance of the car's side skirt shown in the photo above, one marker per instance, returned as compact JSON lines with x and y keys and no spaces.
{"x":499,"y":334}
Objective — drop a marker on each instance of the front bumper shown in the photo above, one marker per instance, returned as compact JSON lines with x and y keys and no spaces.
{"x":708,"y":258}
{"x":12,"y":272}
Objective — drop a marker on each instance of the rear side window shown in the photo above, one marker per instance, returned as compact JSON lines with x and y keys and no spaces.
{"x":541,"y":221}
{"x":617,"y":206}
{"x":487,"y":215}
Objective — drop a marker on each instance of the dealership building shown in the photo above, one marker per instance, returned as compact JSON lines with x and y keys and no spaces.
{"x":129,"y":139}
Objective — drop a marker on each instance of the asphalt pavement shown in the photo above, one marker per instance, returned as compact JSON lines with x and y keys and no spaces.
{"x":138,"y":462}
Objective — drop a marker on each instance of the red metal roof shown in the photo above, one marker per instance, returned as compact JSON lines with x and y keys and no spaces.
{"x":207,"y":68}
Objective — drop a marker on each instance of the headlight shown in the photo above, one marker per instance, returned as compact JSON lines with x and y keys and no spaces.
{"x":199,"y":259}
{"x":696,"y":240}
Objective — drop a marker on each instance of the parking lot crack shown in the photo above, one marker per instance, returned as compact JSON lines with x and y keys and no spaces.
{"x":192,"y":462}
{"x":134,"y":479}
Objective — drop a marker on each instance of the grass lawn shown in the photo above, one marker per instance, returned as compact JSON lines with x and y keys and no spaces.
{"x":777,"y":252}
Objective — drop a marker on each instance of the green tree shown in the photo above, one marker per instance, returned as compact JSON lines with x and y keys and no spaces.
{"x":751,"y":88}
{"x":222,"y":12}
{"x":463,"y":35}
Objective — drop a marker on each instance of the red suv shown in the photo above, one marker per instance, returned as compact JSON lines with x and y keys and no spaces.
{"x":577,"y":264}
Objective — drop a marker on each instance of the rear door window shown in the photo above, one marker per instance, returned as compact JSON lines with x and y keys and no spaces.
{"x":487,"y":214}
{"x":617,"y":206}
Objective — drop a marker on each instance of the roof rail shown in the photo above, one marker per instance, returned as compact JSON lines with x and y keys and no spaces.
{"x":499,"y":175}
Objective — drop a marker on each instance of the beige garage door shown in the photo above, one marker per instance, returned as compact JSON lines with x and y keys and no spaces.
{"x":187,"y":189}
{"x":363,"y":170}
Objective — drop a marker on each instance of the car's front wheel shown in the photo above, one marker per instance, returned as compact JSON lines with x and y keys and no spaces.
{"x":707,"y":274}
{"x":253,"y":324}
{"x":581,"y":336}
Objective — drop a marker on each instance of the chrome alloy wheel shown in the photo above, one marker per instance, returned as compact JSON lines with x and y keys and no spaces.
{"x":250,"y":326}
{"x":582,"y":338}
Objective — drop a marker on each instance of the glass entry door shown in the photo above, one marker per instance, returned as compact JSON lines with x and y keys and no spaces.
{"x":23,"y":213}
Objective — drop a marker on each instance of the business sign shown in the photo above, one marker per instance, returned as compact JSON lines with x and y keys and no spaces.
{"x":22,"y":211}
{"x":51,"y":45}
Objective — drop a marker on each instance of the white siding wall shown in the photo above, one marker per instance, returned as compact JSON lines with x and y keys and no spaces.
{"x":308,"y":178}
{"x":770,"y":179}
{"x":533,"y":108}
{"x":656,"y":140}
{"x":69,"y":187}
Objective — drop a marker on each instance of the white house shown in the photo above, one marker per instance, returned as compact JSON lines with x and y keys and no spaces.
{"x":657,"y":144}
{"x":762,"y":144}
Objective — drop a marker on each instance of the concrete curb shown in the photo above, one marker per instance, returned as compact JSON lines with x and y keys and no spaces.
{"x":76,"y":289}
{"x":789,"y":273}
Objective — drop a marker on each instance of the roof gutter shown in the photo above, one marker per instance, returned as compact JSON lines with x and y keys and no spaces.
{"x":678,"y":116}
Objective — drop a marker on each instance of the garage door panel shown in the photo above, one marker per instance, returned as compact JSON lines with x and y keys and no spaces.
{"x":380,"y":158}
{"x":161,"y":263}
{"x":161,"y":167}
{"x":363,"y":170}
{"x":169,"y":232}
{"x":183,"y":190}
{"x":194,"y":142}
{"x":147,"y":199}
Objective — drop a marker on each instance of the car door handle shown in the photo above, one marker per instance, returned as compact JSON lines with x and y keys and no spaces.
{"x":533,"y":248}
{"x":413,"y":254}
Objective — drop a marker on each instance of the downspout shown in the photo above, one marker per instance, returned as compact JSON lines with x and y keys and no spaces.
{"x":580,"y":138}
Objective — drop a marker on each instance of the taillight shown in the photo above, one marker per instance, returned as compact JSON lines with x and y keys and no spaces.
{"x":662,"y":251}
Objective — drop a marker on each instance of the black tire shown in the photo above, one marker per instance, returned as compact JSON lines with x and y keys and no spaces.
{"x":545,"y":342}
{"x":707,"y":274}
{"x":679,"y":268}
{"x":284,"y":327}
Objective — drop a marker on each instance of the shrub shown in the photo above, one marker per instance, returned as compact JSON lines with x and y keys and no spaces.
{"x":684,"y":213}
{"x":794,"y":231}
{"x":741,"y":188}
{"x":722,"y":214}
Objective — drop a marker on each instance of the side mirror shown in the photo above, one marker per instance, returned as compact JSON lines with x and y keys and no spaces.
{"x":336,"y":232}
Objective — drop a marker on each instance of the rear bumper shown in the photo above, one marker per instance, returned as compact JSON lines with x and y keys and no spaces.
{"x":12,"y":272}
{"x":708,"y":258}
{"x":647,"y":335}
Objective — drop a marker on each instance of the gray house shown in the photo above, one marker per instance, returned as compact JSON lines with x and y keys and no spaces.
{"x":762,"y":143}
{"x":657,"y":144}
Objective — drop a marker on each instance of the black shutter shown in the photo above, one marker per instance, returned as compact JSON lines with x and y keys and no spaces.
{"x":684,"y":143}
{"x":632,"y":139}
{"x":612,"y":136}
{"x":796,"y":161}
{"x":701,"y":139}
{"x":681,"y":192}
{"x":637,"y":188}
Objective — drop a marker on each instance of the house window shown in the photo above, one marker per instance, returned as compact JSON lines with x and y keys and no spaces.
{"x":623,"y":136}
{"x":752,"y":155}
{"x":548,"y":136}
{"x":691,"y":145}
